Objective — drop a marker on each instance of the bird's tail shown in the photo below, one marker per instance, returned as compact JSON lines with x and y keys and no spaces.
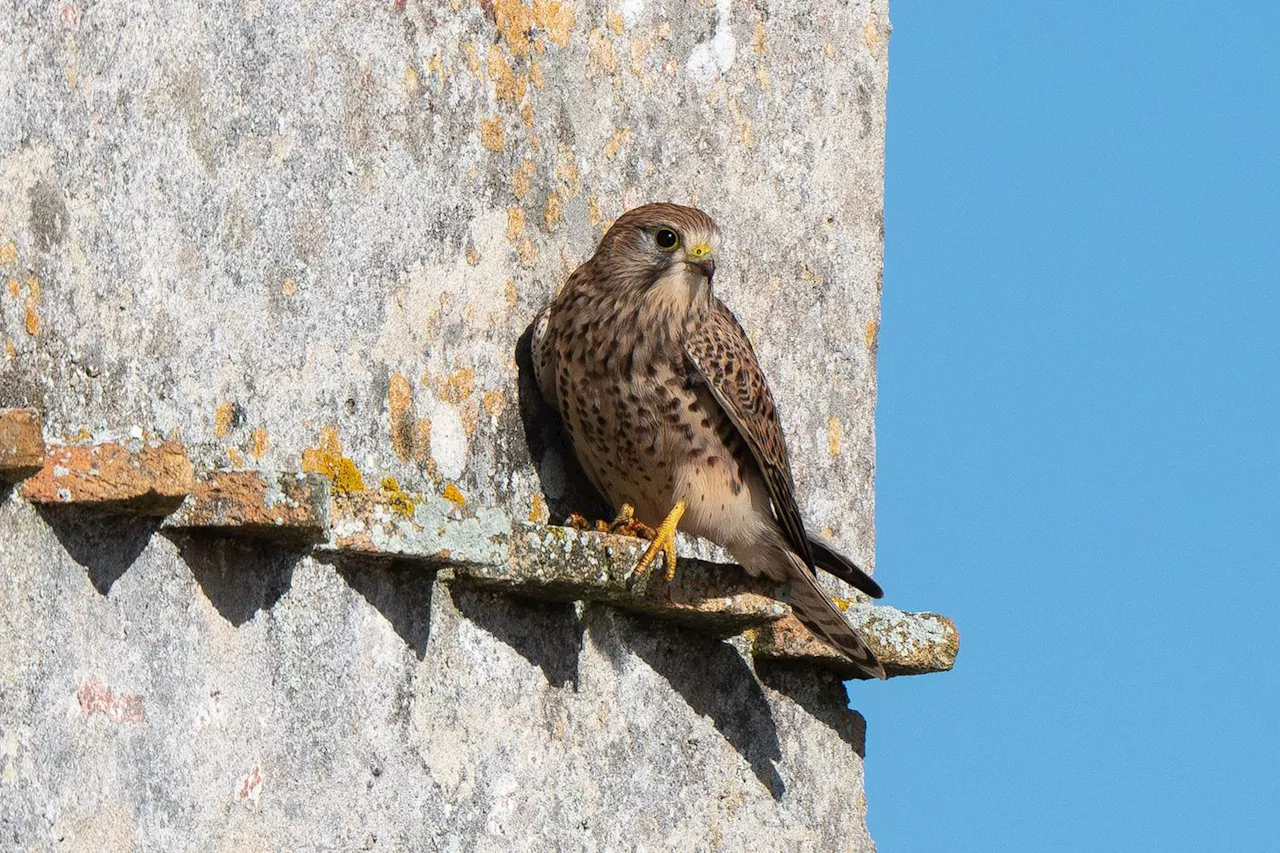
{"x":830,"y":560}
{"x":819,"y":614}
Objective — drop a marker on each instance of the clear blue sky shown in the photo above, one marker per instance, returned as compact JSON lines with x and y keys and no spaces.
{"x":1079,"y":427}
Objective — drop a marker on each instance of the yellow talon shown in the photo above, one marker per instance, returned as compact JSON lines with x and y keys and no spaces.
{"x":625,"y":516}
{"x":664,"y":541}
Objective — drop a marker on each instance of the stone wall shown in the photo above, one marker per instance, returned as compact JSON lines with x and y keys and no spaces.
{"x":307,"y":237}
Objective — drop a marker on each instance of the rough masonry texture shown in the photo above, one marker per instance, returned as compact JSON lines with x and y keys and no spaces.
{"x":255,"y":239}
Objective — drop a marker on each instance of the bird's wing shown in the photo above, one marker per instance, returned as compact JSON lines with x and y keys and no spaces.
{"x":722,"y":355}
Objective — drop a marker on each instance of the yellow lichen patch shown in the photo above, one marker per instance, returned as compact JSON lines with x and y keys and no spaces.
{"x":32,"y":319}
{"x":556,"y":18}
{"x":835,"y":432}
{"x":458,"y":387}
{"x":600,"y":55}
{"x":616,"y":141}
{"x":842,"y":603}
{"x":494,"y":403}
{"x":8,"y":255}
{"x":258,"y":442}
{"x":326,"y":458}
{"x":510,"y":293}
{"x":763,"y":78}
{"x":289,"y":287}
{"x":527,"y":253}
{"x":526,"y":115}
{"x":14,"y":287}
{"x":873,"y":332}
{"x":554,"y":212}
{"x":473,"y":257}
{"x":473,"y":58}
{"x":638,"y":47}
{"x":748,"y":136}
{"x":412,"y":85}
{"x":593,"y":210}
{"x":567,"y":175}
{"x":536,"y":75}
{"x":539,"y":513}
{"x":506,"y":85}
{"x":514,"y":21}
{"x":396,"y":498}
{"x":224,"y":419}
{"x":492,"y":135}
{"x":515,"y":224}
{"x":470,"y":417}
{"x":236,"y":458}
{"x":400,"y":405}
{"x":454,"y":494}
{"x":522,"y":180}
{"x":871,"y":35}
{"x":10,"y":350}
{"x":760,"y":39}
{"x":422,"y":439}
{"x":615,"y":22}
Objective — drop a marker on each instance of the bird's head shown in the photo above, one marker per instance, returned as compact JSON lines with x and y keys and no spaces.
{"x":665,"y":249}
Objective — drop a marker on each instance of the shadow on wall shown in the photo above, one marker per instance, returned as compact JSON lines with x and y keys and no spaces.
{"x":546,"y":634}
{"x":239,"y":576}
{"x":106,"y":545}
{"x":709,"y":674}
{"x":821,"y":694}
{"x":564,"y":484}
{"x":399,"y":590}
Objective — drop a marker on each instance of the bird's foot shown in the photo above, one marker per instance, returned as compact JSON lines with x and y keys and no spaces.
{"x":664,"y":540}
{"x":626,"y":524}
{"x":578,"y":521}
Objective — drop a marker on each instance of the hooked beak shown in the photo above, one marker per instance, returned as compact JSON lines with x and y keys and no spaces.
{"x":700,"y":258}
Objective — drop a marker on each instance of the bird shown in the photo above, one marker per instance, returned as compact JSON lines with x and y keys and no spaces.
{"x":668,"y":411}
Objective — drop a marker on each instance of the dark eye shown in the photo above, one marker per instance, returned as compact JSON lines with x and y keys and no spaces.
{"x":666,"y":239}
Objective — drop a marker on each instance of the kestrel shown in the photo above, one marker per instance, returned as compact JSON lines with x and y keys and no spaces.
{"x":669,"y":413}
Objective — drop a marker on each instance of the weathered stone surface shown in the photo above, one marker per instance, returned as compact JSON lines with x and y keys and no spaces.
{"x":137,"y":476}
{"x":21,"y":444}
{"x":222,"y":700}
{"x":284,"y":507}
{"x":906,"y":643}
{"x":309,"y":236}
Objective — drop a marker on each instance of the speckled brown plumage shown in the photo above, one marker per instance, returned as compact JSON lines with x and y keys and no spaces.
{"x":665,"y":404}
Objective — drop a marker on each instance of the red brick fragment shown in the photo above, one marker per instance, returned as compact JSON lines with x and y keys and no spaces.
{"x":21,"y":444}
{"x":269,"y":505}
{"x":140,"y":477}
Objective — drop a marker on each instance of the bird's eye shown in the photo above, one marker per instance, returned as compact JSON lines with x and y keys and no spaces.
{"x":666,"y":239}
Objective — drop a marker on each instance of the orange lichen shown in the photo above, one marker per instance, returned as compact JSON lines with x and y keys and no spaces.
{"x":396,"y":498}
{"x":492,"y":135}
{"x":615,"y":22}
{"x":567,"y":176}
{"x":526,"y":115}
{"x":593,"y":210}
{"x":835,"y":432}
{"x":842,"y":603}
{"x":236,"y":457}
{"x":473,"y":257}
{"x":522,"y":180}
{"x":422,"y":440}
{"x":494,"y":402}
{"x":14,"y":287}
{"x":871,"y":35}
{"x":454,"y":494}
{"x":258,"y":443}
{"x":539,"y":513}
{"x":527,"y":253}
{"x":473,"y":58}
{"x":873,"y":331}
{"x":8,"y":255}
{"x":510,"y":293}
{"x":748,"y":136}
{"x":554,"y":212}
{"x":619,"y":138}
{"x":535,"y":74}
{"x":224,"y":419}
{"x":289,"y":287}
{"x":760,"y":39}
{"x":556,"y":18}
{"x":457,"y":387}
{"x":515,"y":224}
{"x":400,"y":404}
{"x":32,"y":319}
{"x":506,"y":85}
{"x":600,"y":55}
{"x":326,"y":458}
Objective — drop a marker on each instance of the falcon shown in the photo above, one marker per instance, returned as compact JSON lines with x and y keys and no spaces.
{"x":671,"y":418}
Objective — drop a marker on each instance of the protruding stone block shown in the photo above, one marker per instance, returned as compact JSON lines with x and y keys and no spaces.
{"x":906,"y":643}
{"x":283,"y":507}
{"x":136,"y":477}
{"x":21,"y":444}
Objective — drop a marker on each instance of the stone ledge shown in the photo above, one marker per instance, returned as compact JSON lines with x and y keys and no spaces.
{"x":282,"y":507}
{"x":21,"y":444}
{"x":906,"y":643}
{"x":137,"y":476}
